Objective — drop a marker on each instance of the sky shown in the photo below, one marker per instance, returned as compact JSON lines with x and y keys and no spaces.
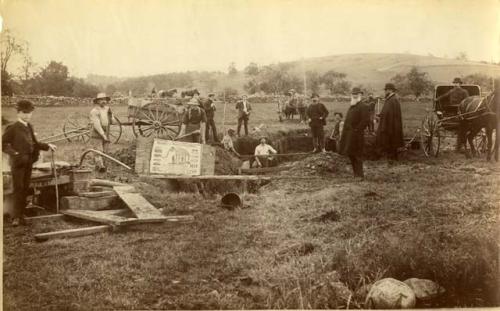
{"x":131,"y":38}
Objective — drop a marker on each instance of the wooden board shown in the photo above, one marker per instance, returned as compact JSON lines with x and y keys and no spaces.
{"x":97,"y":194}
{"x":98,"y":216}
{"x":44,"y":217}
{"x":208,"y":177}
{"x":72,"y":232}
{"x":137,"y":203}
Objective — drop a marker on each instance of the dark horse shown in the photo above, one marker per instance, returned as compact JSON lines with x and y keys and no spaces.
{"x":475,"y":114}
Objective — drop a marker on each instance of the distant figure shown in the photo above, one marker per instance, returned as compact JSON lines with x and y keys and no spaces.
{"x":20,"y":143}
{"x":228,"y":141}
{"x":261,"y":150}
{"x":352,"y":138}
{"x":334,"y":139}
{"x":371,"y":103}
{"x":209,"y":107}
{"x":455,"y":96}
{"x":244,"y":108}
{"x":194,"y":119}
{"x":101,"y":119}
{"x":301,"y":107}
{"x":317,"y":114}
{"x":390,"y":128}
{"x":190,"y":93}
{"x":167,"y":94}
{"x":291,"y":104}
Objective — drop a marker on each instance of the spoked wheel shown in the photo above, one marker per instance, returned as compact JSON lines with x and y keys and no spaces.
{"x":430,"y":136}
{"x":77,"y":128}
{"x":156,"y":120}
{"x":481,"y":142}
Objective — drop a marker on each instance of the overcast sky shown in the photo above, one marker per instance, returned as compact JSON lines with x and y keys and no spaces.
{"x":128,"y":37}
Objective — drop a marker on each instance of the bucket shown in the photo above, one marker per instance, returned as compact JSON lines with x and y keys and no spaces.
{"x":231,"y":201}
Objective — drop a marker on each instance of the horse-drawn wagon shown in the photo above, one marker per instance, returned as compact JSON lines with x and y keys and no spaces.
{"x":446,"y":121}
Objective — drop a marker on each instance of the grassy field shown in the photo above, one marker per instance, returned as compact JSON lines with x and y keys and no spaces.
{"x":425,"y":218}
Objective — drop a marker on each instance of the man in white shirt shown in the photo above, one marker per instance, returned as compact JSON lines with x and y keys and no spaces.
{"x":261,"y":151}
{"x":100,"y":118}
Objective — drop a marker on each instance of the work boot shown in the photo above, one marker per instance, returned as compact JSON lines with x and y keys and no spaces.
{"x":315,"y":150}
{"x":324,"y":150}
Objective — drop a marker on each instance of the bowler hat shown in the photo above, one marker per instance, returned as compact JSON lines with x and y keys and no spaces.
{"x":390,"y":86}
{"x":25,"y":106}
{"x":457,"y":80}
{"x":101,"y":96}
{"x":315,"y":95}
{"x":356,"y":90}
{"x":211,"y":94}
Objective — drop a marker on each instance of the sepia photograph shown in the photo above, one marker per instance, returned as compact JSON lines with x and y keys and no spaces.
{"x":250,"y":154}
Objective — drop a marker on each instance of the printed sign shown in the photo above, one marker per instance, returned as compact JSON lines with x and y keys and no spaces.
{"x":175,"y":158}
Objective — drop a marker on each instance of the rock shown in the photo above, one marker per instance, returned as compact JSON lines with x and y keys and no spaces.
{"x":424,"y":289}
{"x":390,"y":293}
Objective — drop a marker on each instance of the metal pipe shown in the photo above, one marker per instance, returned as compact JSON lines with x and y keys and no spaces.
{"x":104,"y":155}
{"x":54,"y":170}
{"x":68,"y":137}
{"x":47,"y":138}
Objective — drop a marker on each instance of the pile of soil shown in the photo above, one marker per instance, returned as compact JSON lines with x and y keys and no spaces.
{"x":126,"y":155}
{"x":322,"y":164}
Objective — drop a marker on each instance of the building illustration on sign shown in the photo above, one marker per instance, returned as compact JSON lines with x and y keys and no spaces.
{"x":176,"y":158}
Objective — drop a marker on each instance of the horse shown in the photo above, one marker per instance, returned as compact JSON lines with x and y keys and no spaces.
{"x":290,"y":111}
{"x":476,"y":113}
{"x":189,"y":93}
{"x":167,"y":94}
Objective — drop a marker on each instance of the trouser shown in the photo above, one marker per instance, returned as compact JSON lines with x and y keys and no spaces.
{"x":371,"y":125}
{"x":302,"y":113}
{"x":211,"y":124}
{"x":242,"y":120}
{"x":357,"y":165}
{"x":21,"y":176}
{"x":318,"y":136}
{"x":99,"y":144}
{"x":392,"y":154}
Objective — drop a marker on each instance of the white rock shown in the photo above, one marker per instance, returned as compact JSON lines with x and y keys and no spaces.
{"x":424,"y":289}
{"x":389,"y":293}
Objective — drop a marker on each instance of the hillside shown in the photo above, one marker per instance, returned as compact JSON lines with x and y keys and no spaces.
{"x":370,"y":70}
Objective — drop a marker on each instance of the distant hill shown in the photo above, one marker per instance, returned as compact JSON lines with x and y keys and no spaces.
{"x":370,"y":70}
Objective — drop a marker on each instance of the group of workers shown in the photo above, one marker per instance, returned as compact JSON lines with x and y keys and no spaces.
{"x":19,"y":140}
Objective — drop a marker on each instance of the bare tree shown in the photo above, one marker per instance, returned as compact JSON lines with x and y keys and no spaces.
{"x":10,"y":46}
{"x":27,"y":65}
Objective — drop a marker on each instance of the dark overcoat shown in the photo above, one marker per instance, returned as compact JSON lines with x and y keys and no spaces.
{"x":390,"y":128}
{"x":352,"y":139}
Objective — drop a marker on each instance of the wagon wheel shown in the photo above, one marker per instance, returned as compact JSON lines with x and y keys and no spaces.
{"x":481,"y":142}
{"x":156,"y":120}
{"x":77,"y":128}
{"x":430,"y":136}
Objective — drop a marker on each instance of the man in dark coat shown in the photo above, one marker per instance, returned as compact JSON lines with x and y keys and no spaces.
{"x":209,"y":107}
{"x":20,"y":143}
{"x":390,"y":128}
{"x":317,"y":113}
{"x":244,"y":108}
{"x":352,"y":139}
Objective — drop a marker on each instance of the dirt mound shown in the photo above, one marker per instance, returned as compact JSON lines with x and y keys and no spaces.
{"x":319,"y":164}
{"x":126,"y":155}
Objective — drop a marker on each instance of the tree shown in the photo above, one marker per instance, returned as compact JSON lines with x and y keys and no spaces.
{"x":276,"y":79}
{"x":211,"y":84}
{"x":418,"y":82}
{"x":331,"y":78}
{"x":462,"y":56}
{"x":313,"y":80}
{"x":484,"y":81}
{"x":54,"y":80}
{"x":251,"y":87}
{"x":229,"y":91}
{"x":10,"y":46}
{"x":27,"y":65}
{"x":252,"y":69}
{"x":82,"y":89}
{"x":231,"y":70}
{"x":342,"y":87}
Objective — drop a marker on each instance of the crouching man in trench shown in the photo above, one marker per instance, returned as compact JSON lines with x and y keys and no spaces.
{"x":261,"y":151}
{"x":194,"y":119}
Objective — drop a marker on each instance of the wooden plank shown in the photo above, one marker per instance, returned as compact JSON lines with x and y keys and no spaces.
{"x":207,"y":177}
{"x":262,"y":170}
{"x":103,"y":182}
{"x":44,"y":217}
{"x":97,"y":194}
{"x":96,"y":216}
{"x":72,"y":232}
{"x":94,"y":204}
{"x":180,"y":218}
{"x":138,"y":204}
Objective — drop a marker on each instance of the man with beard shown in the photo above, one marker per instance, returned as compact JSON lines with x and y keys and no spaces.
{"x":317,"y":114}
{"x":352,"y":139}
{"x":390,"y":129}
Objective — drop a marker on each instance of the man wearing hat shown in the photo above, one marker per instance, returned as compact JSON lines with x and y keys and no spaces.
{"x":101,"y":118}
{"x":244,"y":108}
{"x":317,"y":113}
{"x":20,"y":143}
{"x":390,"y":128}
{"x":194,"y":122}
{"x":455,"y":97}
{"x":209,"y":106}
{"x":352,"y":139}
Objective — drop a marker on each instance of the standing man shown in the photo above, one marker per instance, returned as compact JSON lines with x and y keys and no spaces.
{"x":20,"y":143}
{"x":101,"y":118}
{"x":352,"y":139}
{"x":209,"y":107}
{"x":317,"y":113}
{"x":244,"y":108}
{"x":301,"y":106}
{"x":390,"y":127}
{"x":455,"y":97}
{"x":371,"y":102}
{"x":194,"y":122}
